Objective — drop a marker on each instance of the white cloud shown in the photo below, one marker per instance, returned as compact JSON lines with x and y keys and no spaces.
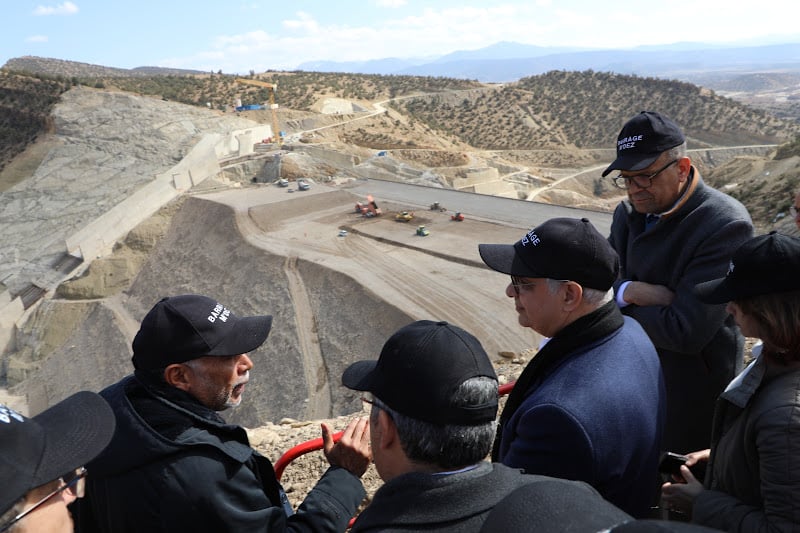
{"x":67,"y":8}
{"x":36,"y":39}
{"x":304,"y":21}
{"x":390,"y":3}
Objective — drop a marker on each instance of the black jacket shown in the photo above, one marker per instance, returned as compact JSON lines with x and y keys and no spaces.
{"x":174,"y":466}
{"x":452,"y":503}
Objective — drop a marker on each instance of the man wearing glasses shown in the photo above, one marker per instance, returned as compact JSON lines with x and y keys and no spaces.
{"x":42,"y":458}
{"x":672,"y":233}
{"x":590,"y":405}
{"x":433,"y":397}
{"x":175,"y":465}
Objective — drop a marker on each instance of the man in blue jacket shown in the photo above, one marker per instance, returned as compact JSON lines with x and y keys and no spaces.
{"x":590,"y":405}
{"x":174,"y":465}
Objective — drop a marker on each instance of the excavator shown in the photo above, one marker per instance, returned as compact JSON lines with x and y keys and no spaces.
{"x":368,"y":209}
{"x":404,"y":216}
{"x":276,"y":136}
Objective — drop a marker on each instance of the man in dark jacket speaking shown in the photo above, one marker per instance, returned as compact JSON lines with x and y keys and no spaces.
{"x":174,"y":465}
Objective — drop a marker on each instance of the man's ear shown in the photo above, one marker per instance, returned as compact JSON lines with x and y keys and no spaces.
{"x":386,"y":430}
{"x":179,"y":376}
{"x":684,"y":166}
{"x":573,"y":295}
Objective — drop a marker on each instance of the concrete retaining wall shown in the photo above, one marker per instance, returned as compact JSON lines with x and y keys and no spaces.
{"x":201,"y":163}
{"x":240,"y":142}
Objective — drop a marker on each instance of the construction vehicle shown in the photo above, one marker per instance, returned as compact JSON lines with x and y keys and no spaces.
{"x":276,"y":136}
{"x":303,"y":185}
{"x":422,"y":231}
{"x":282,"y":182}
{"x":435,"y":206}
{"x":368,"y":209}
{"x":404,"y":216}
{"x":458,"y":216}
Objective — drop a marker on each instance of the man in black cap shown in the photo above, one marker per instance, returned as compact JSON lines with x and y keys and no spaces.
{"x":42,"y":461}
{"x":433,"y":392}
{"x":174,"y":465}
{"x":672,"y":233}
{"x":590,"y":405}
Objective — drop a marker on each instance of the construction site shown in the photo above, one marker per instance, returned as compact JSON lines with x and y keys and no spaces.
{"x":189,"y":200}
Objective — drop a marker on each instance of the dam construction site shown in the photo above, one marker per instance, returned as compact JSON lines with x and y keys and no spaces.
{"x":134,"y":198}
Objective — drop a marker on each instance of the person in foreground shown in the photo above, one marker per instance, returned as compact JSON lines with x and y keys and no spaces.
{"x":434,"y":400}
{"x":174,"y":465}
{"x":671,"y":233}
{"x":590,"y":405}
{"x":753,"y":475}
{"x":42,"y":461}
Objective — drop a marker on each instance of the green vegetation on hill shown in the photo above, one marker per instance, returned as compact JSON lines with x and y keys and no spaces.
{"x":586,"y":109}
{"x":558,"y":110}
{"x":25,"y":105}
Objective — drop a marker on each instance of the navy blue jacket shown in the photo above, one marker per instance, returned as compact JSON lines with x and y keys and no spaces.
{"x":595,"y":416}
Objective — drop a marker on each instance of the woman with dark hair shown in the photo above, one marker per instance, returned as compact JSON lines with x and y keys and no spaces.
{"x":753,"y":476}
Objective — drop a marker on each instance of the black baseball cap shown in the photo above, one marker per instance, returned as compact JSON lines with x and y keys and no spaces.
{"x":181,"y":328}
{"x":763,"y":265}
{"x":642,"y":139}
{"x":41,"y":449}
{"x":560,"y":248}
{"x":420,"y":368}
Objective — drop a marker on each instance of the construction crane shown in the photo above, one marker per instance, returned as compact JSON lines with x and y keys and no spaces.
{"x":276,"y":136}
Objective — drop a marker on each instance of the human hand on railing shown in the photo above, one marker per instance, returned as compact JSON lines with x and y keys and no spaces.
{"x":352,"y":452}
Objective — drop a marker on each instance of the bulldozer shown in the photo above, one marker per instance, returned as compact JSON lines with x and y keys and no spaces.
{"x":458,"y":216}
{"x":422,"y":231}
{"x":404,"y":216}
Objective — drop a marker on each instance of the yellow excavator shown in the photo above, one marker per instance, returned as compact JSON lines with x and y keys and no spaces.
{"x":276,"y":134}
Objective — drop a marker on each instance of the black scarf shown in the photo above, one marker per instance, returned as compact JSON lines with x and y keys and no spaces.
{"x":600,"y":323}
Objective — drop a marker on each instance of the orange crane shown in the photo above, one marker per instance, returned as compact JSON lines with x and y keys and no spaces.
{"x":276,"y":136}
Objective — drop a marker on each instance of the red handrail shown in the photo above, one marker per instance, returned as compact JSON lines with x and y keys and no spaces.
{"x":301,"y":449}
{"x":502,"y":390}
{"x":316,"y":444}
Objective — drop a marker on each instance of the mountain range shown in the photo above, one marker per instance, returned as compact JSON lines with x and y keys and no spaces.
{"x":508,"y":61}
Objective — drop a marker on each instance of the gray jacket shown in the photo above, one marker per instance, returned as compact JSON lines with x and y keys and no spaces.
{"x":699,"y":345}
{"x":754,"y":475}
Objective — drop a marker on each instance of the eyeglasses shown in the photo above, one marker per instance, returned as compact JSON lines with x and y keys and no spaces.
{"x":643,"y":181}
{"x":794,"y":210}
{"x":519,"y":285}
{"x":74,"y":483}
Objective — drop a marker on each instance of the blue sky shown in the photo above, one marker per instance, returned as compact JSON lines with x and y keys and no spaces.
{"x":236,"y":37}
